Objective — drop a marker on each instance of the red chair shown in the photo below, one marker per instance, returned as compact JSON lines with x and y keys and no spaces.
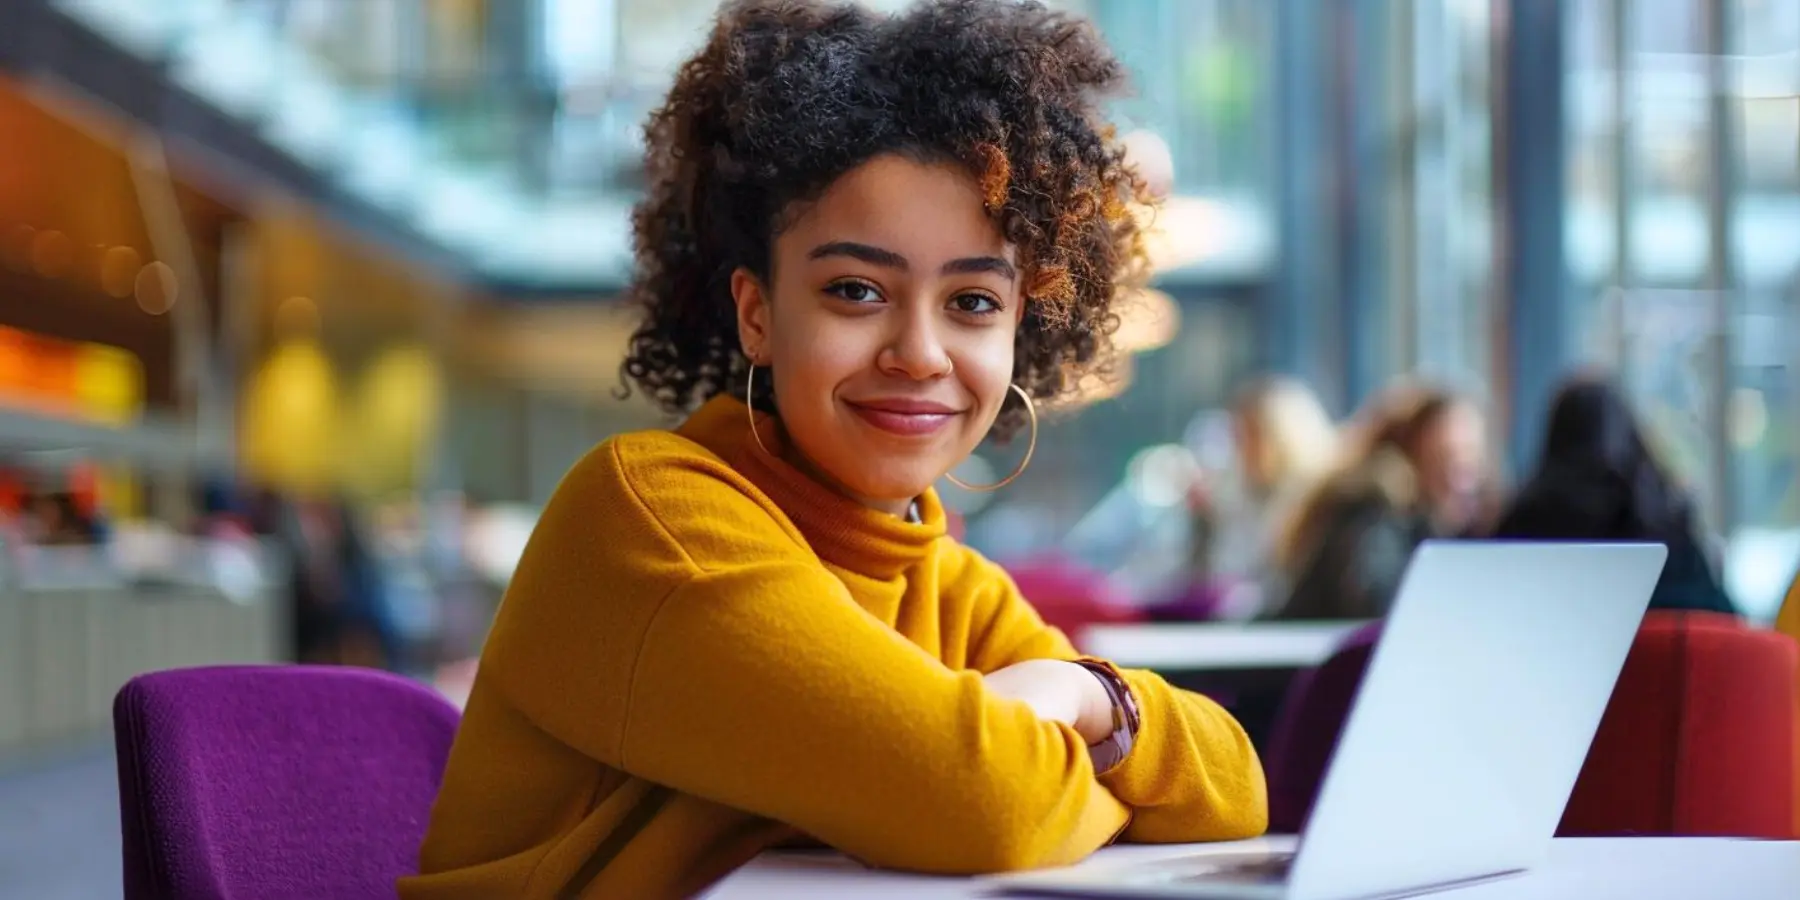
{"x":1699,"y":738}
{"x":1787,"y":622}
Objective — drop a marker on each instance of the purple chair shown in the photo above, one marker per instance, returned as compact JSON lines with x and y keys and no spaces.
{"x":1305,"y":733}
{"x":1199,"y":601}
{"x":275,"y":782}
{"x":1070,"y":596}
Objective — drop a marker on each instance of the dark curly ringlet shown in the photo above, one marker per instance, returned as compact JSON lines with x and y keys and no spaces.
{"x":789,"y":95}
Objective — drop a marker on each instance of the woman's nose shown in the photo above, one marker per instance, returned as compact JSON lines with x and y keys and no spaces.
{"x":916,"y":350}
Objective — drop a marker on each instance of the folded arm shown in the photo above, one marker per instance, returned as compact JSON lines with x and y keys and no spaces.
{"x":1192,"y":774}
{"x":769,"y":690}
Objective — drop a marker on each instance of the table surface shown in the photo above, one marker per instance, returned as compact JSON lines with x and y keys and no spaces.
{"x":1578,"y":869}
{"x":1212,"y":646}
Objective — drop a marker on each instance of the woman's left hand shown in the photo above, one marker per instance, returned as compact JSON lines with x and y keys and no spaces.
{"x":1058,"y":691}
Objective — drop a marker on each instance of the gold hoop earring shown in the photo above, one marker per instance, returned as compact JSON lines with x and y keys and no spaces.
{"x":1030,"y":447}
{"x":750,"y":408}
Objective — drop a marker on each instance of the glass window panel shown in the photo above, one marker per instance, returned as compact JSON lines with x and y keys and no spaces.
{"x":1469,"y":143}
{"x":1441,"y":314}
{"x":1671,"y":335}
{"x":580,"y":37}
{"x":1594,"y":160}
{"x":1200,"y":78}
{"x":1763,"y":414}
{"x":1767,"y":27}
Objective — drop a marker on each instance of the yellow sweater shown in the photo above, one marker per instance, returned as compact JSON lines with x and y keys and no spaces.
{"x":704,"y":653}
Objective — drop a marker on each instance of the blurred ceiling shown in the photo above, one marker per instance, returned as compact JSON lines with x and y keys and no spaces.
{"x":503,"y":134}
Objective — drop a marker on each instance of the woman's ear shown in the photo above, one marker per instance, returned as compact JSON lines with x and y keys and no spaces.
{"x":752,"y":299}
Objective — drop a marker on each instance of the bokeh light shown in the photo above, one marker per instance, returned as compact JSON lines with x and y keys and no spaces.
{"x":156,"y":288}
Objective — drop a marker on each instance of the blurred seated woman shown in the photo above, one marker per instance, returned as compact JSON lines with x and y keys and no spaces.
{"x":892,"y":236}
{"x":1286,"y":443}
{"x":1597,"y":480}
{"x":1423,"y":472}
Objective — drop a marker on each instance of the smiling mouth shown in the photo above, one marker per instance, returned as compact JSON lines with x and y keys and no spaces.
{"x":905,"y":419}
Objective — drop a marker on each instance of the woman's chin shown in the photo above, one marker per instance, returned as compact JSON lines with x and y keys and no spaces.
{"x":895,"y":481}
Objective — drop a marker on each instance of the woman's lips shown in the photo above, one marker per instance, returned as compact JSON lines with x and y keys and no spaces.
{"x":905,"y":418}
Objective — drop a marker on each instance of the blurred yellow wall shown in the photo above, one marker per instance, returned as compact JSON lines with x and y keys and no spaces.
{"x":345,"y":393}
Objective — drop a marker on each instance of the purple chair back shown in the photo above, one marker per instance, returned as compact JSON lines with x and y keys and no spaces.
{"x":1200,"y":601}
{"x":1070,"y":596}
{"x":275,"y":782}
{"x":1306,"y":732}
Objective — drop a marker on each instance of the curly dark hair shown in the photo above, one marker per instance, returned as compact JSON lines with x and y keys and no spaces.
{"x":788,"y":95}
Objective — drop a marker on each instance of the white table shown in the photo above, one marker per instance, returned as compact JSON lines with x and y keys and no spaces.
{"x":1578,"y":869}
{"x":1216,"y":646}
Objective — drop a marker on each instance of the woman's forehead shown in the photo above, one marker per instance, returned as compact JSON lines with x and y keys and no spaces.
{"x":927,"y":213}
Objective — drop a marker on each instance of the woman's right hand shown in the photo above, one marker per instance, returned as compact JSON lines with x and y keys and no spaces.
{"x":1058,"y":691}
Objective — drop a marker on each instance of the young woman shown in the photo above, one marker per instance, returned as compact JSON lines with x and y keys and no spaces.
{"x":1597,"y":480}
{"x":892,"y":235}
{"x":1286,"y":443}
{"x":1422,"y":473}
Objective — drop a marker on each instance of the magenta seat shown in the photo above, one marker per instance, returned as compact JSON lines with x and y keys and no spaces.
{"x":275,"y":782}
{"x":1070,"y":597}
{"x":1199,"y":601}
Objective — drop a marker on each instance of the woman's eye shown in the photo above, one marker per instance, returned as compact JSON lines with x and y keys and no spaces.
{"x":854,"y":291}
{"x":975,"y":304}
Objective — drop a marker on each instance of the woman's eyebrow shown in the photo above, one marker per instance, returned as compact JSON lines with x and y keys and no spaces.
{"x":877,"y":256}
{"x":978,"y":265}
{"x":868,"y":253}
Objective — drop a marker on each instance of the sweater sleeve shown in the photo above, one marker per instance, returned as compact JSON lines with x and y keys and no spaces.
{"x":698,"y":645}
{"x":1192,"y":774}
{"x":767,"y":689}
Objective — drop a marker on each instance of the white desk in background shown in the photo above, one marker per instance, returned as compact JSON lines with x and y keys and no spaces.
{"x":1577,"y":869}
{"x":1216,"y":646}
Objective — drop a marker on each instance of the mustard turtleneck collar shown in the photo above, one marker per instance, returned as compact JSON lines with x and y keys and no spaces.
{"x":842,"y":531}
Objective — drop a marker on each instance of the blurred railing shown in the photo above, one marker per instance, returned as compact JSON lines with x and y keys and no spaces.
{"x":75,"y":626}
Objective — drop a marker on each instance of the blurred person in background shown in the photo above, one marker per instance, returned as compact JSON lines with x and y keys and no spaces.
{"x":1380,"y":416}
{"x":1597,"y":480}
{"x":1444,"y":435}
{"x":371,"y":636}
{"x":892,"y":235}
{"x":82,"y":486}
{"x":1285,"y":444}
{"x":56,"y":520}
{"x":231,"y":546}
{"x":307,"y":533}
{"x":222,"y":515}
{"x":1448,"y":446}
{"x":340,"y":609}
{"x":1423,"y":473}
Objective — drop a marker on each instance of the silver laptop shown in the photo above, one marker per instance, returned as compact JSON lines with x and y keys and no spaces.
{"x":1464,"y":743}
